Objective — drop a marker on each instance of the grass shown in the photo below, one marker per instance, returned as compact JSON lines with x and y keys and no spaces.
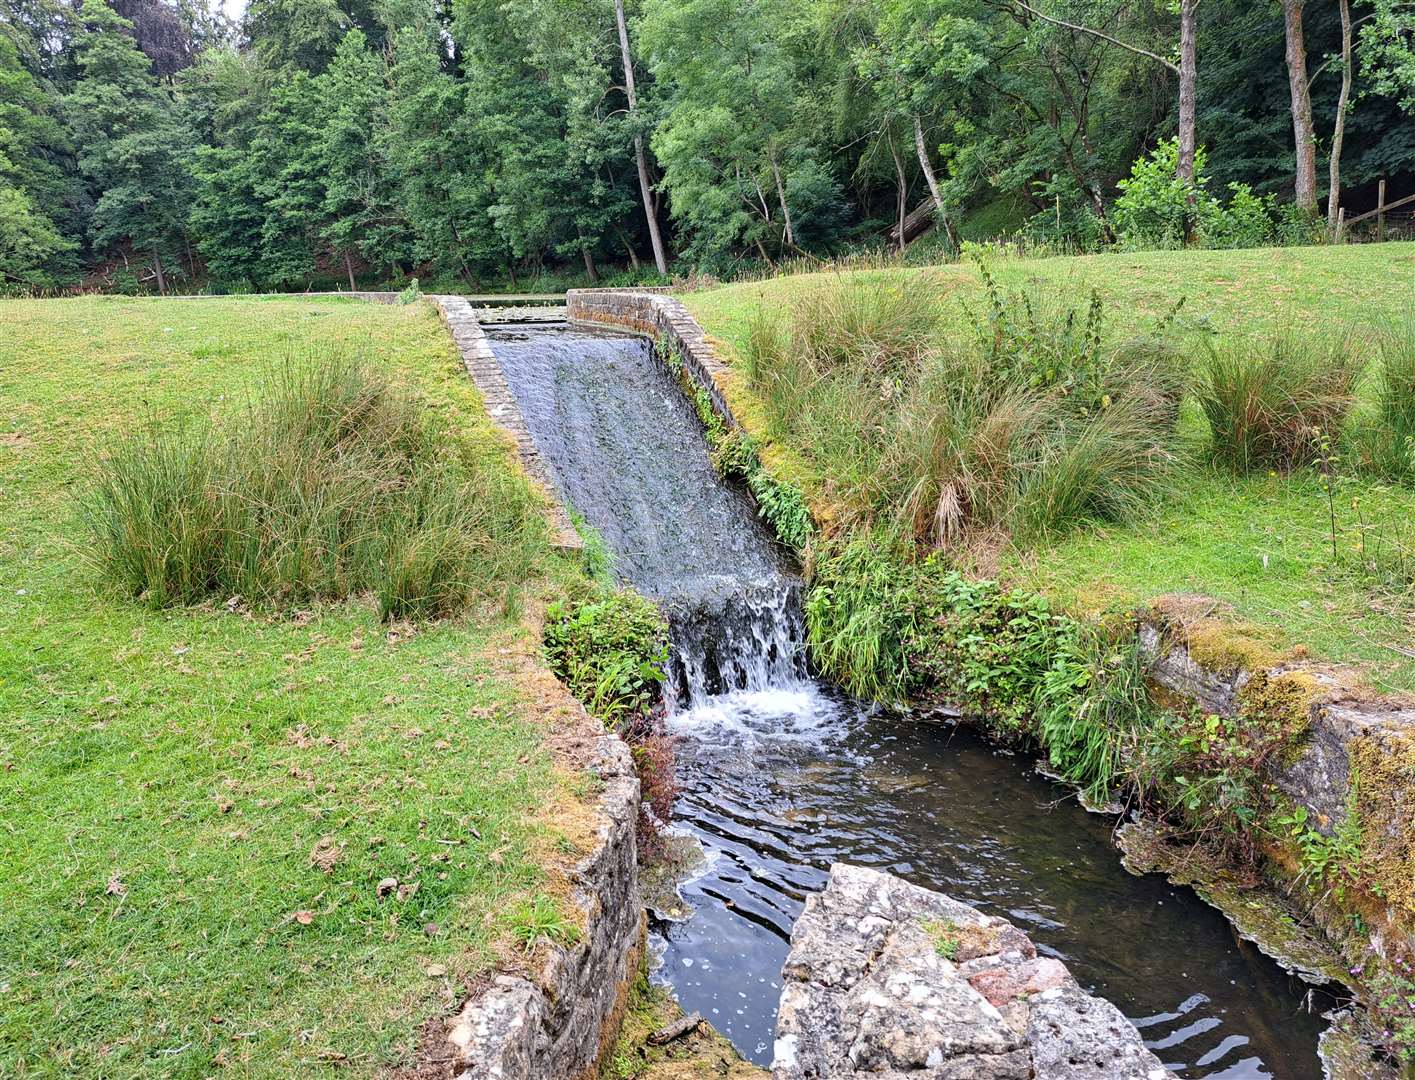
{"x":1260,"y":543}
{"x":197,"y":804}
{"x":330,"y":483}
{"x":1247,"y":291}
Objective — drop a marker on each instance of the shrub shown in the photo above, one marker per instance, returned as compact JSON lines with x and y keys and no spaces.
{"x":1155,"y":207}
{"x":1092,"y":707}
{"x":1386,"y":441}
{"x":1247,"y":221}
{"x":332,"y":484}
{"x":1267,"y":405}
{"x":610,"y":646}
{"x":1036,"y":422}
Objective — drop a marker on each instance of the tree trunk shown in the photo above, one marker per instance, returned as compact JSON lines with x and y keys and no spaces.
{"x":1339,"y":129}
{"x":349,"y":269}
{"x":1188,"y":73}
{"x":1305,"y":186}
{"x":660,"y":258}
{"x":903,"y":190}
{"x":942,"y":214}
{"x":790,"y":234}
{"x":157,"y":268}
{"x":590,"y":271}
{"x":628,"y":247}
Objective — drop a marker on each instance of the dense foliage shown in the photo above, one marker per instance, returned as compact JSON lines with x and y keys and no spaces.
{"x":148,"y":144}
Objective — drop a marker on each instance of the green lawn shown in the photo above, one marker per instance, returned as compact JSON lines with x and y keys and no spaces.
{"x":167,"y":777}
{"x":1261,"y":543}
{"x":1318,"y":288}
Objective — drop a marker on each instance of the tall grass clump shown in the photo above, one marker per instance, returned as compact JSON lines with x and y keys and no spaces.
{"x":1266,"y":405}
{"x":332,"y":482}
{"x":1385,"y":440}
{"x":1032,"y":423}
{"x":871,"y":322}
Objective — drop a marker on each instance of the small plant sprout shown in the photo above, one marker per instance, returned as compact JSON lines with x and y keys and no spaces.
{"x":944,"y":933}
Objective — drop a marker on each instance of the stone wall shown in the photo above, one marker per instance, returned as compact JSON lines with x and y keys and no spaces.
{"x":562,"y":1023}
{"x":655,"y":314}
{"x":889,"y":980}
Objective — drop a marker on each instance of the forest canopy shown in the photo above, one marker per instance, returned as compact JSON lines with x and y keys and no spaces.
{"x":149,"y":144}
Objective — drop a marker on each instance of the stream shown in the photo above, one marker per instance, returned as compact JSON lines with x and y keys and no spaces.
{"x":780,"y":775}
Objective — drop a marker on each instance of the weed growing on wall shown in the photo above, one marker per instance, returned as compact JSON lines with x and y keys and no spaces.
{"x":734,"y":454}
{"x":610,"y":646}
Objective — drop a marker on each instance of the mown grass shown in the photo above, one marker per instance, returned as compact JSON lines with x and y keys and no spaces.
{"x":1261,"y":543}
{"x":197,"y":804}
{"x":1246,"y":291}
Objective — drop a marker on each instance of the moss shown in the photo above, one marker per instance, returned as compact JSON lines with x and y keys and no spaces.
{"x":1222,"y":646}
{"x":702,"y":1054}
{"x":1383,"y":772}
{"x":1282,"y":703}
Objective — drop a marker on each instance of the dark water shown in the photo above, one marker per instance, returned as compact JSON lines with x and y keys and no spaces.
{"x":781,"y":777}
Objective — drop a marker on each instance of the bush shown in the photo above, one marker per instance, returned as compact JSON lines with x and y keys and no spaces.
{"x":334,"y":483}
{"x":1247,"y":221}
{"x":1267,"y":406}
{"x":610,"y":646}
{"x":1155,"y":208}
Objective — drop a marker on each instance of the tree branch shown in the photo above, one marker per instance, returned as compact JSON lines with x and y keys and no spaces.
{"x":1098,"y":34}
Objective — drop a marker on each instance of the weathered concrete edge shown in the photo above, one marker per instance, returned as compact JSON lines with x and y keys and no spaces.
{"x":564,"y":1023}
{"x":656,"y":315}
{"x":481,"y":364}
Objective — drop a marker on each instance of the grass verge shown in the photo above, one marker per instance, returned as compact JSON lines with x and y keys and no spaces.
{"x":202,"y":807}
{"x":1262,"y":543}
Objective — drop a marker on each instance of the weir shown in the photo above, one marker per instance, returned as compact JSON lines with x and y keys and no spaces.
{"x":781,"y":776}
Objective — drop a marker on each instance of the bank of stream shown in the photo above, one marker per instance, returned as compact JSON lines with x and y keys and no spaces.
{"x":781,"y":776}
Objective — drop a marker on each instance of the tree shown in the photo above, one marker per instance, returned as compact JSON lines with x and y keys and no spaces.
{"x":36,"y":193}
{"x":737,"y":162}
{"x":1339,"y":128}
{"x":295,"y":35}
{"x":1304,"y":140}
{"x":1186,"y":69}
{"x":358,"y":212}
{"x":646,"y":191}
{"x":132,"y":149}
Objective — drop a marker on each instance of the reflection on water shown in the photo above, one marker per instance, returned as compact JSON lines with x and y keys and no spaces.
{"x":779,"y":785}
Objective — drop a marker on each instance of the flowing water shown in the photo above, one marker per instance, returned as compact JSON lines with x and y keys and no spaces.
{"x":781,"y":776}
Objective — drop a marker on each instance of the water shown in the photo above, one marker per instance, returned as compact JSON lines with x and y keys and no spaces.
{"x":781,"y":776}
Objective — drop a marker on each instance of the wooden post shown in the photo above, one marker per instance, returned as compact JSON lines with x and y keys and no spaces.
{"x":1381,"y":210}
{"x":1340,"y":224}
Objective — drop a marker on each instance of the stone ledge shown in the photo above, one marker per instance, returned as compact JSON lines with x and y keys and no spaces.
{"x":655,"y":314}
{"x":888,"y":980}
{"x":562,"y":1024}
